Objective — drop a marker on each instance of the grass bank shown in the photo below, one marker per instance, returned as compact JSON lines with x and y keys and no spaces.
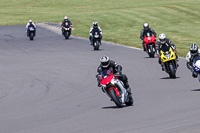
{"x":120,"y":20}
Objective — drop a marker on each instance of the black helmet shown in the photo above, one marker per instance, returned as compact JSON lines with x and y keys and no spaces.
{"x":146,"y":26}
{"x":95,"y":24}
{"x":193,"y":49}
{"x":105,"y":61}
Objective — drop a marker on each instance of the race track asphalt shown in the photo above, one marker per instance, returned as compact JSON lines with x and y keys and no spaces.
{"x":48,"y":85}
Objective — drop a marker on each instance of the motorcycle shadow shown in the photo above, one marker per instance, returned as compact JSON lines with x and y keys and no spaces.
{"x":97,"y":50}
{"x":169,"y":78}
{"x":196,"y":90}
{"x":114,"y":107}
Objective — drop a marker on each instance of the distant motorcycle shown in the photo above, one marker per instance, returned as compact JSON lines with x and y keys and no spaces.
{"x":115,"y":89}
{"x":67,"y":30}
{"x":150,"y":44}
{"x":31,"y":32}
{"x":196,"y":67}
{"x":169,"y":61}
{"x":96,"y":39}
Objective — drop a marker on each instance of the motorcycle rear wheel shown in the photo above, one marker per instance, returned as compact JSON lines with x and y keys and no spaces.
{"x":115,"y":99}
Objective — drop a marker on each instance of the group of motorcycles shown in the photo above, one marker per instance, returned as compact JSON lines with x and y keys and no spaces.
{"x":167,"y":55}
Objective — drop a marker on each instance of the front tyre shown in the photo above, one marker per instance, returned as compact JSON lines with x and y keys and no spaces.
{"x":172,"y":72}
{"x":31,"y":36}
{"x":66,"y":35}
{"x":96,"y":45}
{"x":151,"y":53}
{"x":115,"y":99}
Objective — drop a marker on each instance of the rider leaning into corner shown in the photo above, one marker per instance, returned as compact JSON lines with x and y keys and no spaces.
{"x":30,"y":23}
{"x":194,"y":52}
{"x":94,"y":27}
{"x":144,"y":31}
{"x":66,"y":22}
{"x":107,"y":64}
{"x":164,"y":42}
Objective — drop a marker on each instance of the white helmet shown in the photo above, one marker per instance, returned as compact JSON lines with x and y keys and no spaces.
{"x":146,"y":26}
{"x":105,"y":61}
{"x":30,"y":21}
{"x":65,"y":17}
{"x":162,"y":38}
{"x":193,"y":49}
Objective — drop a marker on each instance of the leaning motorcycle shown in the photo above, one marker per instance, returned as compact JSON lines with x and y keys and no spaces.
{"x":150,"y":44}
{"x":196,"y":67}
{"x":115,"y":89}
{"x":169,"y":61}
{"x":96,"y":39}
{"x":67,"y":30}
{"x":31,"y":32}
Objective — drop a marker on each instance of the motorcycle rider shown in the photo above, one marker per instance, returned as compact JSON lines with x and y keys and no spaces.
{"x":107,"y":64}
{"x":164,"y":42}
{"x":66,"y":22}
{"x":30,"y":24}
{"x":94,"y":27}
{"x":194,"y":52}
{"x":144,"y":31}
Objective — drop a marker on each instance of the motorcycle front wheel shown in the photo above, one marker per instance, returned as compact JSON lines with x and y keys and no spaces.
{"x":172,"y":72}
{"x":115,"y":99}
{"x":31,"y":36}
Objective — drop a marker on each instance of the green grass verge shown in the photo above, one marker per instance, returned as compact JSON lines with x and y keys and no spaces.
{"x":120,"y":20}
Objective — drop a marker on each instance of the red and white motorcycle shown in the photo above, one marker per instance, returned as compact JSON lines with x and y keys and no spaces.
{"x":114,"y":88}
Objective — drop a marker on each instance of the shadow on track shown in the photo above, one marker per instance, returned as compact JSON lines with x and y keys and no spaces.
{"x":169,"y":78}
{"x":115,"y":107}
{"x":196,"y":90}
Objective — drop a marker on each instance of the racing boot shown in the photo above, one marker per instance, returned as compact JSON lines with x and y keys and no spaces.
{"x":162,"y":67}
{"x":144,"y":47}
{"x":194,"y":74}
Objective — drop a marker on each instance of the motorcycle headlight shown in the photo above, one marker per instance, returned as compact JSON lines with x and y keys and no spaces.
{"x":96,"y":36}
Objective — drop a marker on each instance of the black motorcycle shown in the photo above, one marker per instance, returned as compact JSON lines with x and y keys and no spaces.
{"x":96,"y":41}
{"x":66,"y":30}
{"x":31,"y":32}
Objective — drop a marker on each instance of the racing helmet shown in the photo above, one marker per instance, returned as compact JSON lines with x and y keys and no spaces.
{"x":95,"y":24}
{"x":193,"y":49}
{"x":65,"y":18}
{"x":146,"y":26}
{"x":30,"y":21}
{"x":162,"y":38}
{"x":105,"y":61}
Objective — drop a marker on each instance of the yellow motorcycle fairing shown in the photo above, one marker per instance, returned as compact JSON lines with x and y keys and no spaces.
{"x":167,"y":55}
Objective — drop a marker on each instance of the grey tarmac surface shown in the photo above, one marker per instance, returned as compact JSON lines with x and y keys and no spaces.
{"x":48,"y":85}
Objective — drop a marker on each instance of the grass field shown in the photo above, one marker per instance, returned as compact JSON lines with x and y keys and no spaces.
{"x":120,"y":20}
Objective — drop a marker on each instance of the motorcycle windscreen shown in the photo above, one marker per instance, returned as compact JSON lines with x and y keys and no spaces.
{"x":106,"y":77}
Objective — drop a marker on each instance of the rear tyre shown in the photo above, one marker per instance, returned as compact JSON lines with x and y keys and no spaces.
{"x":172,"y":72}
{"x":115,"y":99}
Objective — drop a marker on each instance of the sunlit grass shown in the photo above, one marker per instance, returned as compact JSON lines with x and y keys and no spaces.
{"x":120,"y":20}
